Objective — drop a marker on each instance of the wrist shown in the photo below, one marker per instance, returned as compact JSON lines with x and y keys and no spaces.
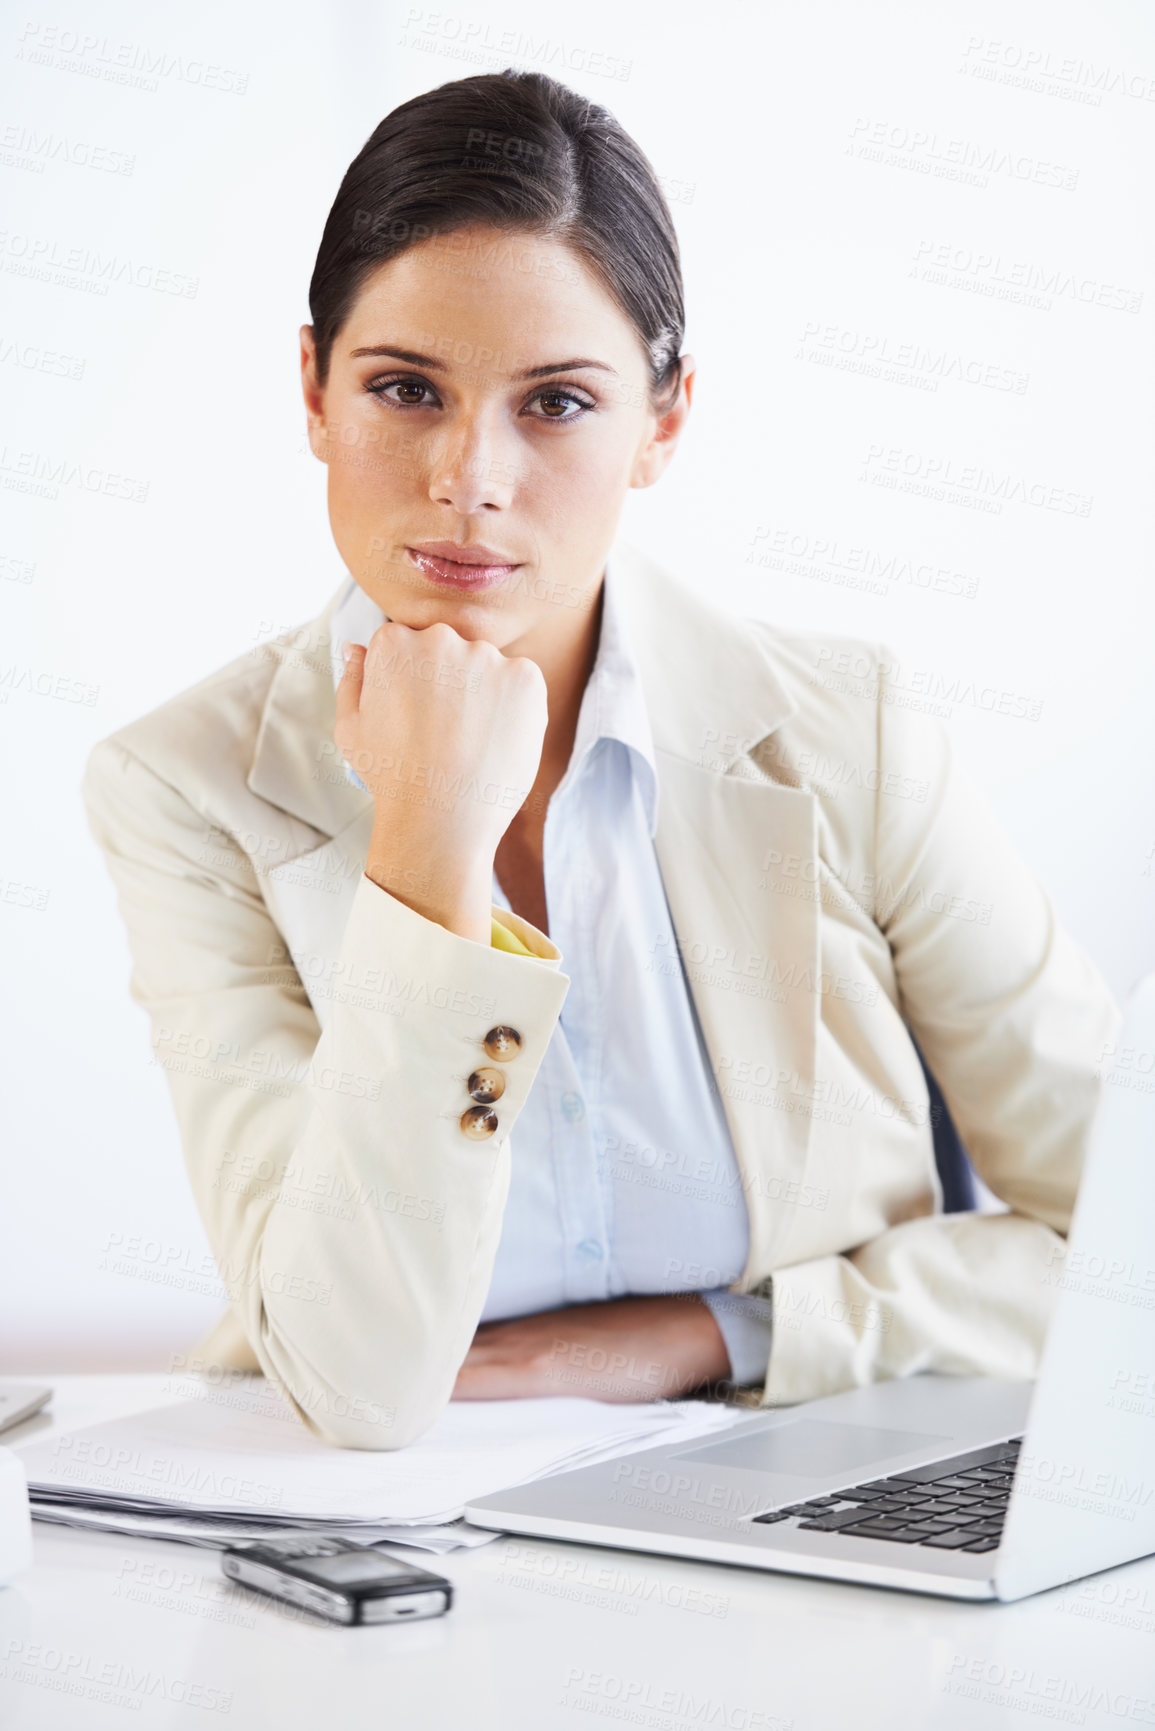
{"x":455,"y":894}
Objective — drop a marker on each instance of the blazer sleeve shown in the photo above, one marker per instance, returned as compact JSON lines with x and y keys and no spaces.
{"x":354,"y":1223}
{"x":1014,"y":1021}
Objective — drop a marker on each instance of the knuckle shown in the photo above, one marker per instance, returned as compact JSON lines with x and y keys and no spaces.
{"x":516,"y":669}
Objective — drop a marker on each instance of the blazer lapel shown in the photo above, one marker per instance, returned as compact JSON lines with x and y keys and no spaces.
{"x":735,"y":848}
{"x":296,"y":764}
{"x":297,"y":768}
{"x":751,"y":956}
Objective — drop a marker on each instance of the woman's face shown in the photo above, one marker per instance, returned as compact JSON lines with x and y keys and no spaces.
{"x":487,"y":403}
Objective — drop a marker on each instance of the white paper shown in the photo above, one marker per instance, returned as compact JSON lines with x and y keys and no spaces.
{"x":214,"y":1534}
{"x":211,"y":1458}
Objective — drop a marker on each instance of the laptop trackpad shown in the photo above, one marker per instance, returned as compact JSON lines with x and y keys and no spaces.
{"x":809,"y":1447}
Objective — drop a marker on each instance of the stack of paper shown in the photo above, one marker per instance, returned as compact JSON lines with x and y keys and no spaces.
{"x":239,"y":1464}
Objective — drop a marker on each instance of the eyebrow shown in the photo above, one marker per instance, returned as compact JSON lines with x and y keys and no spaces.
{"x":434,"y":365}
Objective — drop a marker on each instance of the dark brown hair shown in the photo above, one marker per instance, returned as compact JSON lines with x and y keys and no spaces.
{"x":521,"y":153}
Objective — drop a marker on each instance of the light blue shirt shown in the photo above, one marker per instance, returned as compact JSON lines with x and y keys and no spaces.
{"x":624,"y":1178}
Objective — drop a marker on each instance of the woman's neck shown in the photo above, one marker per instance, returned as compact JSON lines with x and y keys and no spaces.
{"x":566,"y":656}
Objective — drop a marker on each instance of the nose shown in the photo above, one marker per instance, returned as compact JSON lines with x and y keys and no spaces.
{"x":469,"y":472}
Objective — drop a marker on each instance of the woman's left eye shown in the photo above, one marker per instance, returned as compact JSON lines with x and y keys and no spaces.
{"x":581,"y":405}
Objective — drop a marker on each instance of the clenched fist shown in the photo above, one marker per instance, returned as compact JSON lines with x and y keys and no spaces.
{"x":447,"y":735}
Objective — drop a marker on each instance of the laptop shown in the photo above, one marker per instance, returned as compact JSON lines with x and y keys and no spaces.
{"x":970,"y":1487}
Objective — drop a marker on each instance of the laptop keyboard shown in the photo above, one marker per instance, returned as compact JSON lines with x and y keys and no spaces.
{"x":957,"y":1504}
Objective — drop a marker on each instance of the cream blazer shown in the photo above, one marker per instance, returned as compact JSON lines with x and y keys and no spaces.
{"x":834,"y":879}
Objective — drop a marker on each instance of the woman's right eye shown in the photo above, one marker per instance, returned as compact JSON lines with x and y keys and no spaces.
{"x":417,"y":389}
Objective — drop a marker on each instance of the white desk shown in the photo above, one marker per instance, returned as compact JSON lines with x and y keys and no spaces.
{"x":547,"y":1637}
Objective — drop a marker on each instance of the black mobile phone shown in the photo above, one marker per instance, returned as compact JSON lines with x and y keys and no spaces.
{"x":347,"y":1583}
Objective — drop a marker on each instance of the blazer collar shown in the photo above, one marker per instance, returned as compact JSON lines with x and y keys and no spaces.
{"x":708,"y":677}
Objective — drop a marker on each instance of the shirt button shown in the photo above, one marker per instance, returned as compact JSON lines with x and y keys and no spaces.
{"x":589,"y":1247}
{"x":478,"y":1122}
{"x":572,"y":1107}
{"x":502,"y":1043}
{"x":486,"y":1085}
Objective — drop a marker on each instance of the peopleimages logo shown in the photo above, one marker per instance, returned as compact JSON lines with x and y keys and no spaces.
{"x":1047,"y":1694}
{"x":1036,"y":1473}
{"x":681,"y":1493}
{"x":113,"y":1465}
{"x":666,"y":1707}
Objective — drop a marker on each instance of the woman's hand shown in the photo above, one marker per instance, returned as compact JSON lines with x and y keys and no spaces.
{"x":447,"y":734}
{"x":626,"y":1349}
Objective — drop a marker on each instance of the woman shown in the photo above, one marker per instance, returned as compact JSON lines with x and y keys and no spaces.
{"x":350,"y":883}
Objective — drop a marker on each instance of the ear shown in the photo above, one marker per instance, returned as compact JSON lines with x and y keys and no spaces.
{"x":657,"y":452}
{"x":318,"y":432}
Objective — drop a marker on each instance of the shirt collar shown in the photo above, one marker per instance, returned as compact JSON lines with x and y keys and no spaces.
{"x":613,"y":703}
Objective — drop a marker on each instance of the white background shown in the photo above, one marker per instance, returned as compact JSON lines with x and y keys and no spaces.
{"x":821,"y":162}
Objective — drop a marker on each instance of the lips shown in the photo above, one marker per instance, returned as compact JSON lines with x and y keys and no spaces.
{"x":472,"y":567}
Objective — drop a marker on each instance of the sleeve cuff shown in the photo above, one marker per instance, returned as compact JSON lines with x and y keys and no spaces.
{"x":745,"y":1322}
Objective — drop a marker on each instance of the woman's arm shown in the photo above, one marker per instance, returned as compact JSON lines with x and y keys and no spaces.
{"x":1013,"y":1020}
{"x":640,"y":1348}
{"x":354,"y":1223}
